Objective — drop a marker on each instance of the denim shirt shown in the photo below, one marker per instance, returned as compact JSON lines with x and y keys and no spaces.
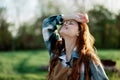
{"x":49,"y":27}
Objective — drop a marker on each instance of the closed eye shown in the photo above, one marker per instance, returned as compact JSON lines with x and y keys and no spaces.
{"x":71,"y":23}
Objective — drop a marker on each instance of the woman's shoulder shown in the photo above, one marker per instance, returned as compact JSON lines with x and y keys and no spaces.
{"x":97,"y":71}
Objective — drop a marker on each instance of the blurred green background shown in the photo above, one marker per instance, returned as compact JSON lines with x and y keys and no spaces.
{"x":22,"y":49}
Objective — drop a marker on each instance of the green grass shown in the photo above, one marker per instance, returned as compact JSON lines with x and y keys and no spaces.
{"x":115,"y":56}
{"x":25,"y":65}
{"x":110,"y":54}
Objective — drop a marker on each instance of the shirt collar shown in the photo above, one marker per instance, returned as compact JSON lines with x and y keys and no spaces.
{"x":75,"y":53}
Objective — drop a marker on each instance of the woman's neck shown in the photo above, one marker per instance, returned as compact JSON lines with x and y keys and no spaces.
{"x":70,"y":44}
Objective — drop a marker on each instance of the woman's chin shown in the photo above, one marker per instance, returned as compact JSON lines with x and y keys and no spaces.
{"x":61,"y":32}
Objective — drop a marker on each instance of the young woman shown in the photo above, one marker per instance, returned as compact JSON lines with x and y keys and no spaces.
{"x":72,"y":54}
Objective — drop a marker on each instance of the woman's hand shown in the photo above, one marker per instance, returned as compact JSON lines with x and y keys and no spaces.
{"x":79,"y":17}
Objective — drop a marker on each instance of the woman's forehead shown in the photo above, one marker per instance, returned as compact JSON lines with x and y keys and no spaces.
{"x":71,"y":20}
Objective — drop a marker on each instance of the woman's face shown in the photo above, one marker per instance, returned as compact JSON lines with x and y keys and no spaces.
{"x":69,"y":29}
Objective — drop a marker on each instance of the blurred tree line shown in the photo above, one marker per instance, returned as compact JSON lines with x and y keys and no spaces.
{"x":104,"y":26}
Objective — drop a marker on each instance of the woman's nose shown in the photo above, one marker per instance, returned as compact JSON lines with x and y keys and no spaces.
{"x":66,"y":24}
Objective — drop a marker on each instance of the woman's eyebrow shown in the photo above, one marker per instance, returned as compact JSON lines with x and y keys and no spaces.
{"x":72,"y":21}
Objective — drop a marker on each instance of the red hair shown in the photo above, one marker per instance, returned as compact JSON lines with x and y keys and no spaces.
{"x":85,"y":49}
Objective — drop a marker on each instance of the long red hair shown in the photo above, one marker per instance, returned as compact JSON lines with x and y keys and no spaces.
{"x":85,"y":49}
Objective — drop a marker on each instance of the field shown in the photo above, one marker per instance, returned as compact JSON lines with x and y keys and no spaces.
{"x":25,"y":65}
